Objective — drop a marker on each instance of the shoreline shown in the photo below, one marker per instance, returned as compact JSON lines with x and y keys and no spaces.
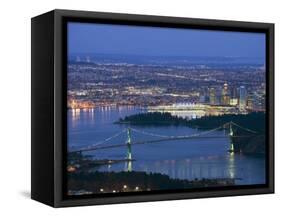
{"x":114,"y":182}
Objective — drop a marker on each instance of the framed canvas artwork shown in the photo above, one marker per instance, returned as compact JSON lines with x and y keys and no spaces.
{"x":129,"y":108}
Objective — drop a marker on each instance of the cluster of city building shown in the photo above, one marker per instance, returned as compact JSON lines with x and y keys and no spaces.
{"x":239,"y":97}
{"x":96,"y":85}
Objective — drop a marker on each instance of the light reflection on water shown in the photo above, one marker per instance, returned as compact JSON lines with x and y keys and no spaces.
{"x":190,"y":159}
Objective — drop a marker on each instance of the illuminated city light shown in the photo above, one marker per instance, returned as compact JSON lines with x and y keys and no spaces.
{"x":210,"y":92}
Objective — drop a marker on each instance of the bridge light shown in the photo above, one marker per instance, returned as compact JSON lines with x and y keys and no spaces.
{"x":125,"y":186}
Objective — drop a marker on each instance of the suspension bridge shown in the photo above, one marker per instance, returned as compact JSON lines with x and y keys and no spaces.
{"x":161,"y":138}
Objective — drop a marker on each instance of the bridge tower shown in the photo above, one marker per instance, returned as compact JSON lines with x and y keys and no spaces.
{"x":129,"y":142}
{"x":231,"y":140}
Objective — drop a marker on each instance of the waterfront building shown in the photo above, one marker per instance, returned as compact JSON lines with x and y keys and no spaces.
{"x":258,"y":102}
{"x":218,"y":96}
{"x":212,"y":96}
{"x":234,"y":93}
{"x":225,"y":100}
{"x":202,"y":99}
{"x":233,"y":102}
{"x":242,"y":98}
{"x":250,"y":102}
{"x":204,"y":95}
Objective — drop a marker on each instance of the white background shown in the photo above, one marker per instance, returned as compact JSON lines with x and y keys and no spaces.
{"x":15,"y":106}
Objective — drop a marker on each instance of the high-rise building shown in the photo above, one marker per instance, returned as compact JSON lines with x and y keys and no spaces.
{"x":250,"y":102}
{"x":225,"y":100}
{"x":234,"y":94}
{"x":259,"y":102}
{"x":202,"y":99}
{"x":218,"y":95}
{"x":212,"y":96}
{"x":242,"y":98}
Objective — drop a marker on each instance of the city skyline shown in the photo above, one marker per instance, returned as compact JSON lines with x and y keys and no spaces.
{"x":159,"y":85}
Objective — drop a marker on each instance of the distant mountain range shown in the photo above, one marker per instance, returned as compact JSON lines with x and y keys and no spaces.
{"x":165,"y":60}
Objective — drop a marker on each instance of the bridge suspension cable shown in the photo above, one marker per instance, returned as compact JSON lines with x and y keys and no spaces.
{"x":181,"y":136}
{"x":97,"y":145}
{"x":244,"y":128}
{"x":102,"y":141}
{"x":149,"y":133}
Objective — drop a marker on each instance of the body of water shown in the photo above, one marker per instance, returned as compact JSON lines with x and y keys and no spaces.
{"x":183,"y":159}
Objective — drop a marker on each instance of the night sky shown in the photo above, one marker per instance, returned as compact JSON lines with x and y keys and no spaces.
{"x":155,"y":41}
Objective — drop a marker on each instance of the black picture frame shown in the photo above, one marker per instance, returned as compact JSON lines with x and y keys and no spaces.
{"x":49,"y":79}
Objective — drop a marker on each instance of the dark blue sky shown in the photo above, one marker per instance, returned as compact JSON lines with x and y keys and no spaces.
{"x":154,"y":41}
